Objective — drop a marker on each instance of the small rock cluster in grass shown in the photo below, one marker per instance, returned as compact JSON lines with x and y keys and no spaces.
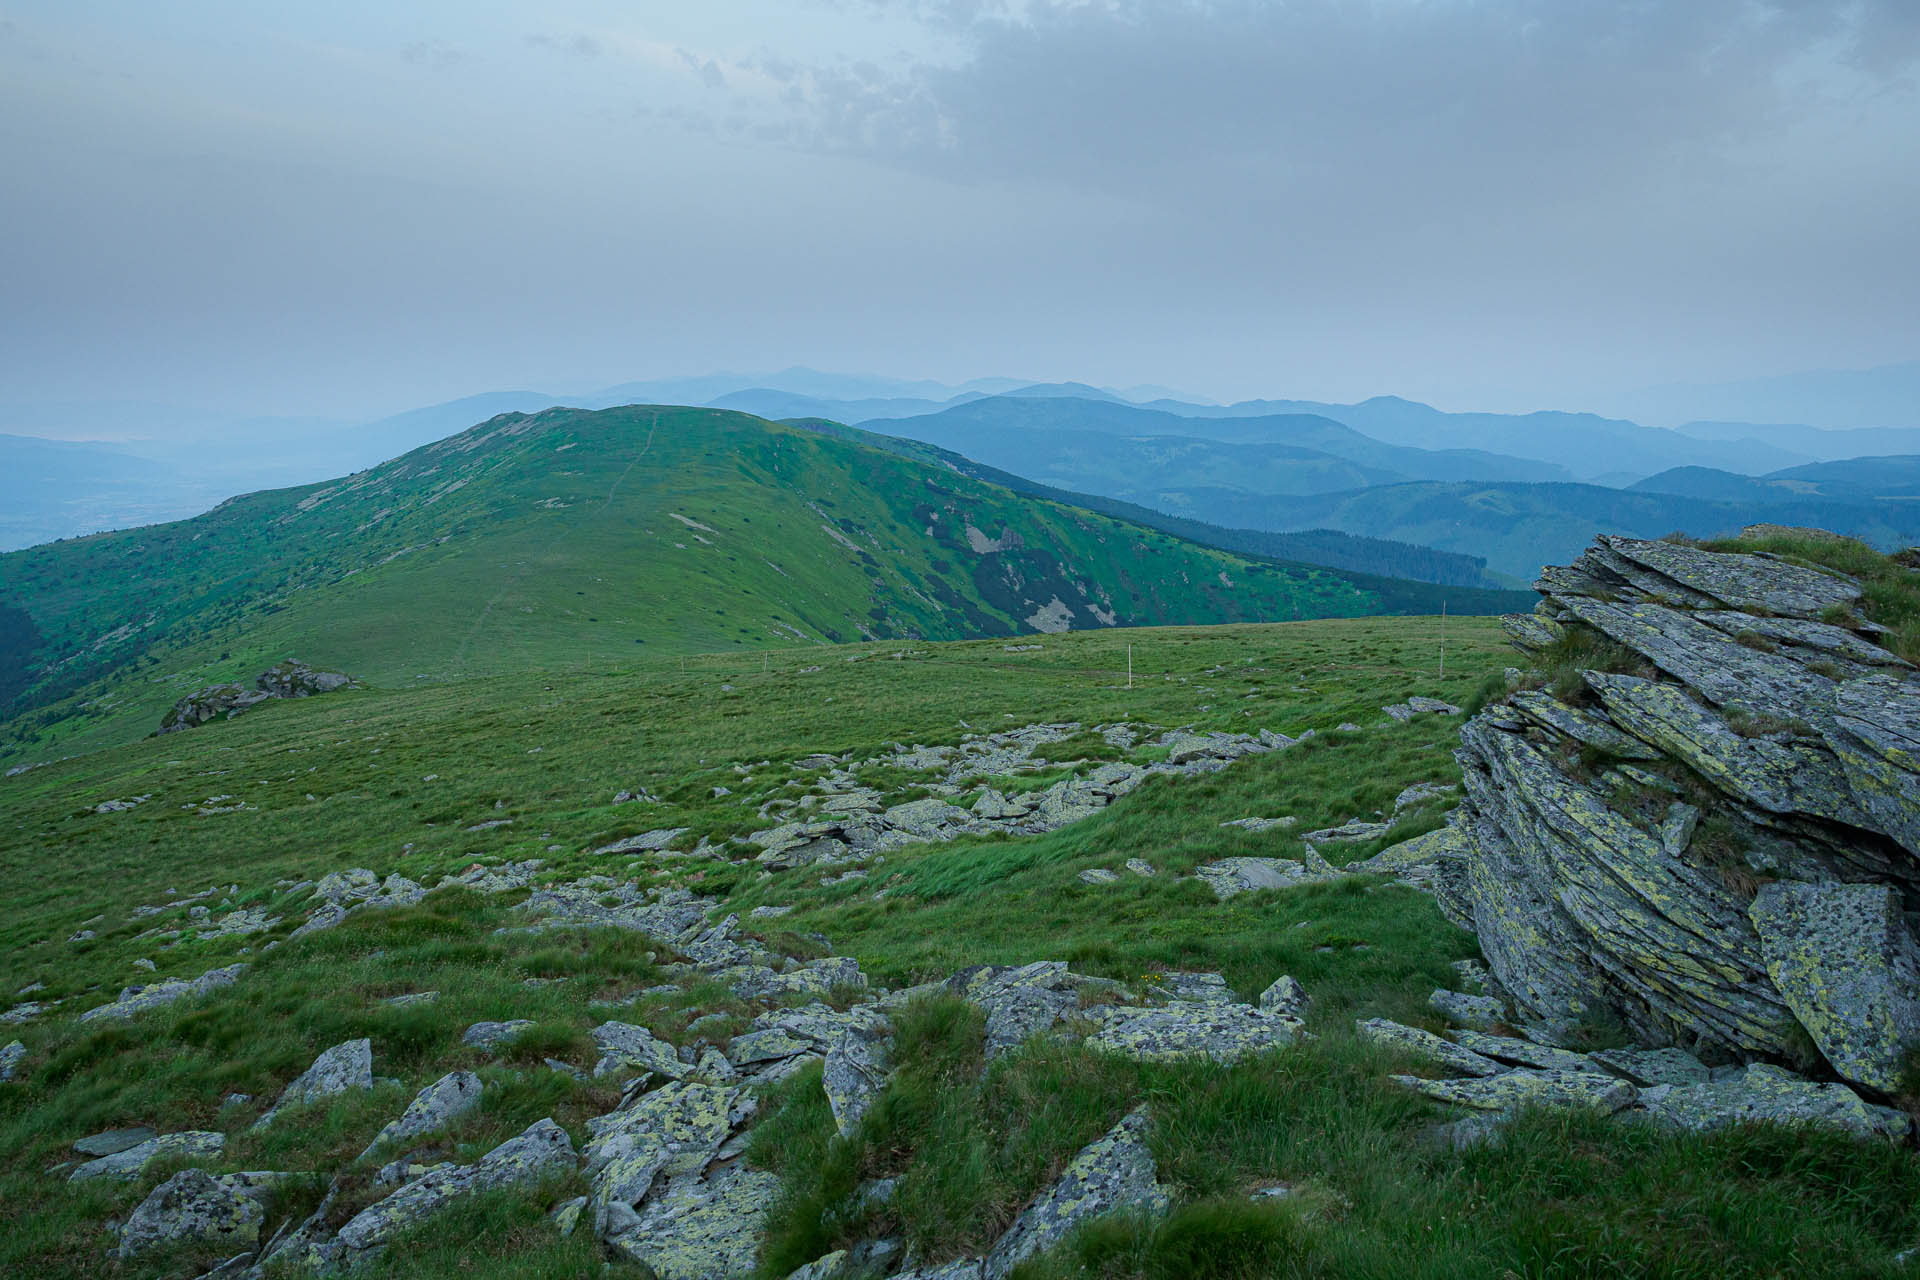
{"x":666,"y":1186}
{"x":1493,"y":1074}
{"x":285,"y":680}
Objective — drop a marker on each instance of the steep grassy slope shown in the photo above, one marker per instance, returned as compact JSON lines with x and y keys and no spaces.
{"x":570,"y":538}
{"x":429,"y":780}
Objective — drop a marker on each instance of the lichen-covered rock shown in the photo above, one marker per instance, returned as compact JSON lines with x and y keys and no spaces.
{"x":1768,"y":1093}
{"x":1285,"y":995}
{"x":135,"y":1000}
{"x":1230,"y":876}
{"x":1019,"y":1002}
{"x":1757,"y":912}
{"x":341,"y":1069}
{"x":702,"y":1230}
{"x":195,"y":1207}
{"x":1522,"y":1053}
{"x":1480,"y":1013}
{"x":1115,"y":1173}
{"x":1445,"y":1052}
{"x":1849,"y":968}
{"x":11,"y":1056}
{"x":624,"y":1046}
{"x":286,"y":680}
{"x":1649,"y":1067}
{"x":439,"y":1104}
{"x":676,"y":1130}
{"x":856,"y":1070}
{"x":1182,"y":1031}
{"x":488,"y":1037}
{"x":1527,"y":1087}
{"x":125,"y":1166}
{"x":542,"y":1150}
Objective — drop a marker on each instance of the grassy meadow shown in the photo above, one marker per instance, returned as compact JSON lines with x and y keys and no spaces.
{"x":402,"y":775}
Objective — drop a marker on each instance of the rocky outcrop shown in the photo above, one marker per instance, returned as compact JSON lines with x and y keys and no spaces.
{"x":284,"y":680}
{"x":1708,"y":830}
{"x":197,"y":1207}
{"x":341,"y":1069}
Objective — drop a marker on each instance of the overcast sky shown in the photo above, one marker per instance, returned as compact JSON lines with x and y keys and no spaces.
{"x":353,"y":207}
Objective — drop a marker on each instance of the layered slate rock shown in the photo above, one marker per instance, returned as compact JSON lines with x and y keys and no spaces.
{"x":702,"y":1229}
{"x":1712,"y":839}
{"x":125,"y":1165}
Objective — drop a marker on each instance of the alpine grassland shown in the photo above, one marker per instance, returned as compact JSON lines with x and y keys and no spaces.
{"x":430,"y":778}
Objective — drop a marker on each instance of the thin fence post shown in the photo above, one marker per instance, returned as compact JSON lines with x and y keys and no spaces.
{"x":1443,"y":638}
{"x":1129,"y":666}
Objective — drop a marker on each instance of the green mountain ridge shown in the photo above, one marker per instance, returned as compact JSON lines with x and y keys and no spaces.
{"x":580,"y":539}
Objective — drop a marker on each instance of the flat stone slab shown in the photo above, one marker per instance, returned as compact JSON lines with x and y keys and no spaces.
{"x":1220,"y":1032}
{"x":1528,"y":1088}
{"x":114,"y":1141}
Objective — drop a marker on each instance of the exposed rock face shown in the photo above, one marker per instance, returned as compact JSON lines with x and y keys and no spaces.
{"x":125,"y":1166}
{"x":286,"y":680}
{"x":139,"y":999}
{"x":1714,"y":840}
{"x":446,"y":1099}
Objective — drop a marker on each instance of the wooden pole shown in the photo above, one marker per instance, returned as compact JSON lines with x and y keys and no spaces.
{"x":1443,"y":639}
{"x":1129,"y":666}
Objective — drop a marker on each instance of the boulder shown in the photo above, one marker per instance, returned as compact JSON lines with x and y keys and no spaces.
{"x":1184,"y":1031}
{"x":341,"y":1069}
{"x":125,"y":1165}
{"x":285,"y":680}
{"x":1230,"y":876}
{"x":195,"y":1207}
{"x":12,"y":1054}
{"x":1715,"y":842}
{"x":139,"y":999}
{"x":856,"y":1070}
{"x":1112,"y":1174}
{"x":439,"y":1104}
{"x":1848,"y":966}
{"x":1768,"y":1093}
{"x":542,"y":1150}
{"x":1481,"y":1013}
{"x":700,"y":1230}
{"x":1020,"y":1002}
{"x":114,"y":1141}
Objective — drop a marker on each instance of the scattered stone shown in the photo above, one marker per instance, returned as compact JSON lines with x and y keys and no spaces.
{"x":194,"y":1207}
{"x":1529,"y":1087}
{"x":856,"y":1070}
{"x":113,"y":1141}
{"x":646,"y":842}
{"x":1427,"y":1045}
{"x":1099,"y":875}
{"x":491,"y":1037}
{"x":1285,"y":995}
{"x":675,"y":1130}
{"x":624,"y":1047}
{"x":1524,"y":1053}
{"x":1230,"y":876}
{"x":285,"y":680}
{"x":139,"y":999}
{"x":341,"y":1069}
{"x":1115,"y":1173}
{"x":540,"y":1151}
{"x":125,"y":1166}
{"x":1262,"y":824}
{"x":11,"y":1056}
{"x":1220,"y":1032}
{"x":700,"y":1230}
{"x":1767,"y":1093}
{"x":1481,"y":1013}
{"x":1140,"y":867}
{"x":445,"y":1100}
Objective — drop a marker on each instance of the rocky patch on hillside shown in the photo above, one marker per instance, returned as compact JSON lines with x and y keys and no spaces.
{"x":283,"y":680}
{"x":1695,"y":824}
